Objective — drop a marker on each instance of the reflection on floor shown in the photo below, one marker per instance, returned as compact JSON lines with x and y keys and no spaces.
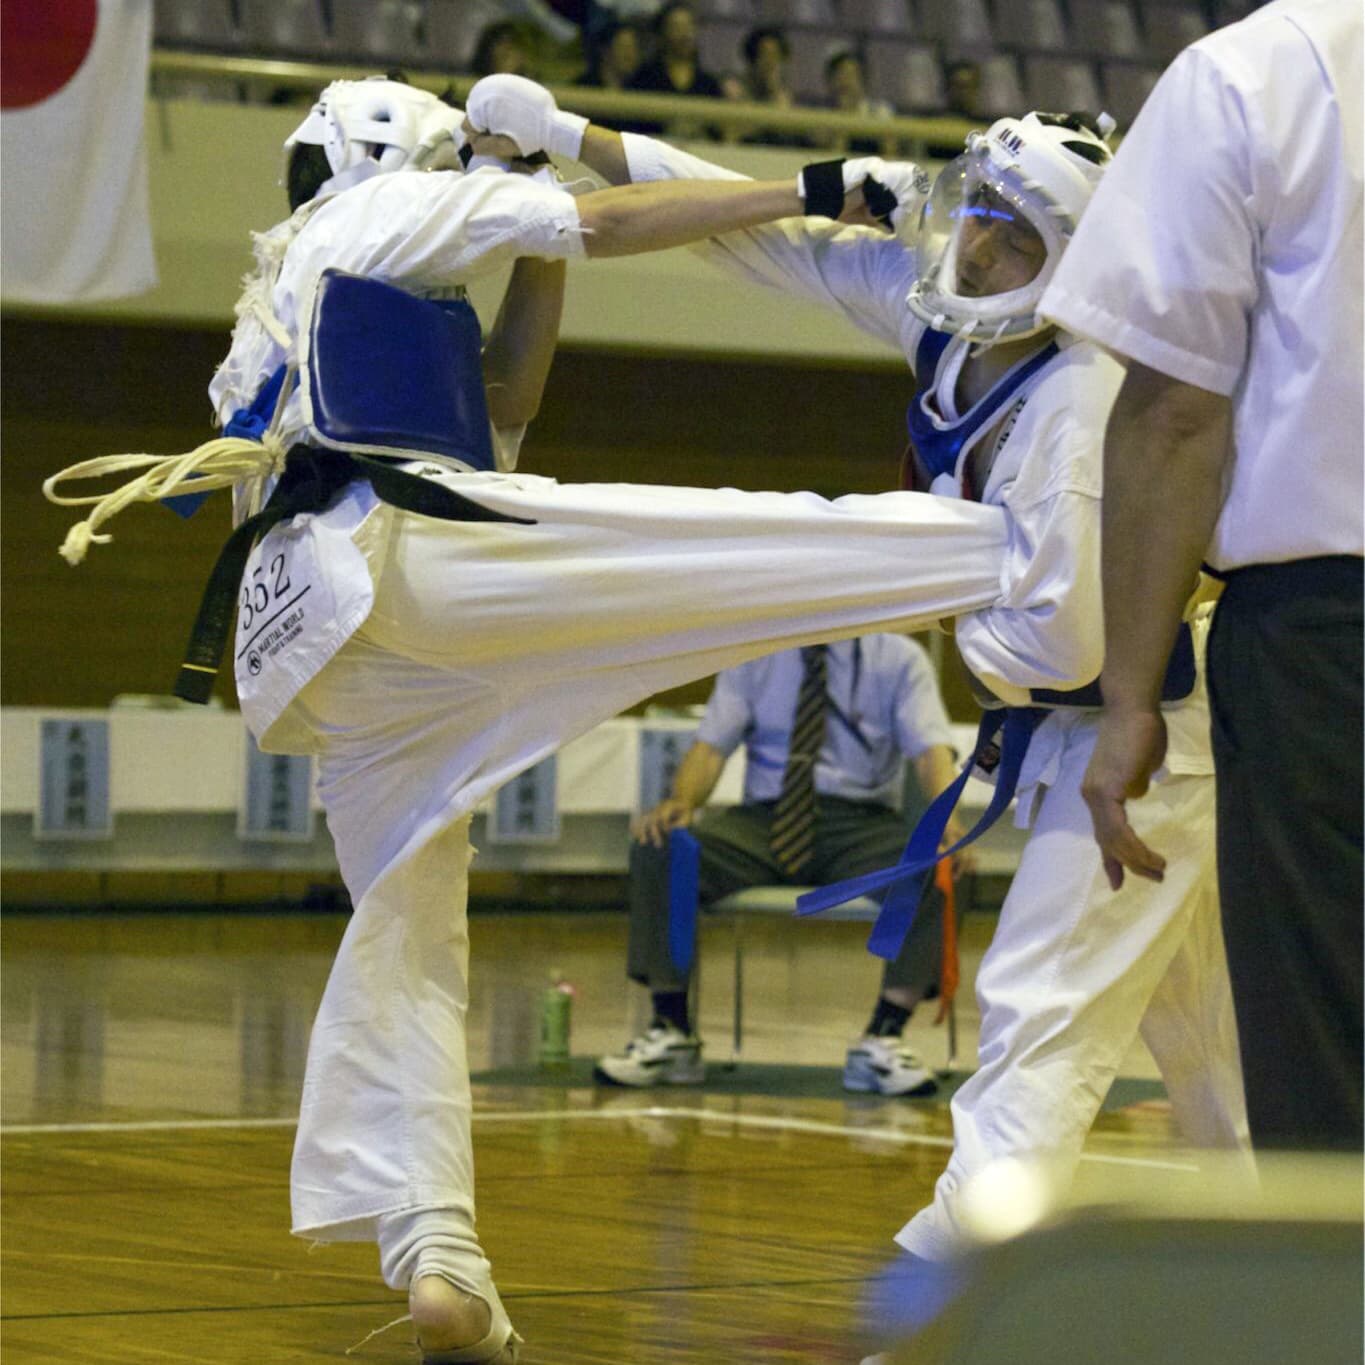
{"x":151,"y":1069}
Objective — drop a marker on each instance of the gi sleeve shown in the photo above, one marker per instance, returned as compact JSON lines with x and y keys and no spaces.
{"x":1162,"y":268}
{"x":921,"y":720}
{"x":435,"y":230}
{"x":729,"y":712}
{"x":1047,"y":629}
{"x":860,"y":273}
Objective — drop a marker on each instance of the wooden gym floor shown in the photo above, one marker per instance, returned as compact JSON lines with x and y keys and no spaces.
{"x":151,"y":1069}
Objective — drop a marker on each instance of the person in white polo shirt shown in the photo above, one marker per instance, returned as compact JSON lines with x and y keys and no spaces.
{"x":1222,"y":257}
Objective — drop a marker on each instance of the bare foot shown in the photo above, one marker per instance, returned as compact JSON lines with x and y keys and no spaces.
{"x":447,"y":1318}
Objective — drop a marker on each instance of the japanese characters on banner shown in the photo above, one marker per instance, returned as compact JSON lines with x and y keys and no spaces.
{"x":526,"y":809}
{"x":277,"y":791}
{"x":73,"y":800}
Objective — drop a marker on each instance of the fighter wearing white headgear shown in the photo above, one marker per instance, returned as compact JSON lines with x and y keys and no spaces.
{"x":1012,"y":413}
{"x":429,"y":623}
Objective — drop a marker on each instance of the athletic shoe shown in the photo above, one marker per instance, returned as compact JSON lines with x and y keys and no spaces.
{"x":662,"y":1055}
{"x":886,"y":1066}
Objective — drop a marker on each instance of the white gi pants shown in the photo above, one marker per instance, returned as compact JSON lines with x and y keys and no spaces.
{"x":1075,"y":971}
{"x":489,"y":645}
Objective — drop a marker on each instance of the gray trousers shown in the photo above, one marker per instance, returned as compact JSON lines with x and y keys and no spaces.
{"x":851,"y":837}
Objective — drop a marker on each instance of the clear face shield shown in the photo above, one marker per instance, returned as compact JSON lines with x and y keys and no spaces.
{"x":987,"y":247}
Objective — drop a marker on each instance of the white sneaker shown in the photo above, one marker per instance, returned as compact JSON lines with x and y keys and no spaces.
{"x":662,"y":1055}
{"x":886,"y":1066}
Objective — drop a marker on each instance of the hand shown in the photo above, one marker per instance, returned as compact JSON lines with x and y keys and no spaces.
{"x":526,"y":113}
{"x":892,"y":194}
{"x":654,"y":826}
{"x":964,"y":861}
{"x":1130,"y":748}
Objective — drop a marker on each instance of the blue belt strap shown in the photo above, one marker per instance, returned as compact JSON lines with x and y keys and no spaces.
{"x":684,"y":890}
{"x":1015,"y":726}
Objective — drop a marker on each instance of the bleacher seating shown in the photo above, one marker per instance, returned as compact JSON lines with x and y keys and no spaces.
{"x":286,"y":28}
{"x":388,"y":32}
{"x":1042,"y":53}
{"x":195,"y":23}
{"x":888,"y":18}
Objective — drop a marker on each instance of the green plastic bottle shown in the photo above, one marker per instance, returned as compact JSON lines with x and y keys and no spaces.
{"x":556,"y":1008}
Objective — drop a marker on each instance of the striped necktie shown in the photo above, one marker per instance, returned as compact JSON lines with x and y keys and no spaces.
{"x":792,"y":834}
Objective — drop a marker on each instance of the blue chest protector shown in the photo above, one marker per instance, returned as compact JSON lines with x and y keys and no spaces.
{"x":939,"y":444}
{"x":390,"y":374}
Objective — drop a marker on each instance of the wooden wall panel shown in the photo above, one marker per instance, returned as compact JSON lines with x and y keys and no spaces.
{"x":78,"y":637}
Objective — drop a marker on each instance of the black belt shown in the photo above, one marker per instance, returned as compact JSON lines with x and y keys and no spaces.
{"x":311,"y":479}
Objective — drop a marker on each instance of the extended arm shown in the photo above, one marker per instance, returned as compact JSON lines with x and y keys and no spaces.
{"x":693,"y":783}
{"x":1165,"y":459}
{"x":521,"y":344}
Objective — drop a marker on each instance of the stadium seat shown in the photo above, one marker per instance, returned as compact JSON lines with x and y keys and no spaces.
{"x":383,"y":31}
{"x":718,"y":46}
{"x":195,"y":23}
{"x":1036,"y":25}
{"x":957,"y":24}
{"x":1170,"y":28}
{"x":453,"y":28}
{"x":1126,"y":85}
{"x":1060,"y":83}
{"x":1002,"y":92}
{"x":740,"y":11}
{"x":906,"y":75}
{"x":285,"y":28}
{"x":798,"y":13}
{"x":890,"y":18}
{"x":811,"y":49}
{"x":1106,"y":28}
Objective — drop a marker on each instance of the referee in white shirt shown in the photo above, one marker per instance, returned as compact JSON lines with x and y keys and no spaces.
{"x":1222,"y":256}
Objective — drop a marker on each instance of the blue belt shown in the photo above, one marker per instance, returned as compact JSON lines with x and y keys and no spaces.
{"x":1002,"y":740}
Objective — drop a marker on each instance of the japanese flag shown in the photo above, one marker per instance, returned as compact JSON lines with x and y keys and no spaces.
{"x":72,"y":90}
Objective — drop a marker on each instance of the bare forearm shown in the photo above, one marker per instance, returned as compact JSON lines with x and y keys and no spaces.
{"x":652,"y":217}
{"x":698,"y":774}
{"x":1165,"y":455}
{"x":521,"y":344}
{"x":605,"y":153}
{"x":935,"y":770}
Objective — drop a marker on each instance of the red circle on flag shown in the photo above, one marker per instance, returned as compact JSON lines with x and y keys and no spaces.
{"x":44,"y":47}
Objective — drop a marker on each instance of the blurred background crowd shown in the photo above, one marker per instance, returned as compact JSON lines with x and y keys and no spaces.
{"x":875,"y":58}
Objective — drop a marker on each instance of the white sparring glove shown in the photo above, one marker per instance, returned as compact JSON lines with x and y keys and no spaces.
{"x":439,"y":140}
{"x":512,"y":106}
{"x":894,"y":191}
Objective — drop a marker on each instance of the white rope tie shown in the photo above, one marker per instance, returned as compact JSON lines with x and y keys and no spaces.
{"x":219,"y":463}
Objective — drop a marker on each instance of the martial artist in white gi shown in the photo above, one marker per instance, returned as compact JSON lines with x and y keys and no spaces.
{"x":1011,"y":413}
{"x":426,"y":660}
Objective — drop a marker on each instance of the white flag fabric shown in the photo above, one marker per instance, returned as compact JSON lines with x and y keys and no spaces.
{"x":73,"y":87}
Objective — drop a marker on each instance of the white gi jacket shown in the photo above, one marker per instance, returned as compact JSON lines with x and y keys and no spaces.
{"x":425,"y":232}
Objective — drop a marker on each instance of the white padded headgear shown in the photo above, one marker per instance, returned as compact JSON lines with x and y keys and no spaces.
{"x":411,"y":129}
{"x":1044,"y":168}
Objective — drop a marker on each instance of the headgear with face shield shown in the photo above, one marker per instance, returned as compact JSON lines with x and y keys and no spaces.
{"x":375,"y":125}
{"x":998,"y":219}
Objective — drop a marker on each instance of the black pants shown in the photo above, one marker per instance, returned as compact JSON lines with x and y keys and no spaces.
{"x":851,"y":837}
{"x":1285,"y":665}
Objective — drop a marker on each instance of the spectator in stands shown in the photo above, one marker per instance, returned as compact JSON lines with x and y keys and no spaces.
{"x":845,"y":91}
{"x":827,"y":725}
{"x":963,"y":85}
{"x":676,"y":69}
{"x":615,"y":59}
{"x":766,"y":56}
{"x":501,"y":49}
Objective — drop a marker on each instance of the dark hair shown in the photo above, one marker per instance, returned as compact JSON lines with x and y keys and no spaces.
{"x":1079,"y":121}
{"x":491,"y":36}
{"x":308,"y":169}
{"x":757,"y":35}
{"x":844,"y":54}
